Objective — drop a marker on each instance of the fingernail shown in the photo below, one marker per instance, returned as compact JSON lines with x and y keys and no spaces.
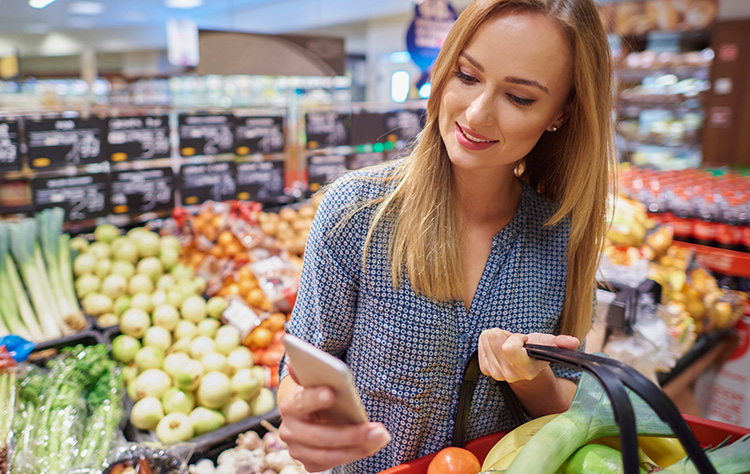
{"x":379,"y":434}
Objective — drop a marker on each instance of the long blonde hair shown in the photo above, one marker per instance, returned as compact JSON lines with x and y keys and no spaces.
{"x":572,"y":167}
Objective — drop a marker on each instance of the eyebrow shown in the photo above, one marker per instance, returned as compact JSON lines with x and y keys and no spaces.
{"x":514,"y":80}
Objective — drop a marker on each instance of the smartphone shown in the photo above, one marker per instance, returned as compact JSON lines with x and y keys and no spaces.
{"x":314,"y":367}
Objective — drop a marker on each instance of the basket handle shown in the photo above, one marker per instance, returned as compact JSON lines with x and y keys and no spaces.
{"x":640,"y":385}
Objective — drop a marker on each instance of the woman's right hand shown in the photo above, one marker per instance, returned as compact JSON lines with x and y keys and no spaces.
{"x":318,"y":446}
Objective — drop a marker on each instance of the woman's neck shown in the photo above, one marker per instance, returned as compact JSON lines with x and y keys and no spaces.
{"x":484,"y":197}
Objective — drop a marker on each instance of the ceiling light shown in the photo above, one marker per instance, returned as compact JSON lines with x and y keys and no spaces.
{"x":183,"y":4}
{"x":39,"y":3}
{"x":86,"y":8}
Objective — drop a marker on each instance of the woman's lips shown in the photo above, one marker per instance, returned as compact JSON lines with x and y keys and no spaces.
{"x":473,"y":141}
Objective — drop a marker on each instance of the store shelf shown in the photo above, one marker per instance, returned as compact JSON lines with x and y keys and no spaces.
{"x":727,"y":262}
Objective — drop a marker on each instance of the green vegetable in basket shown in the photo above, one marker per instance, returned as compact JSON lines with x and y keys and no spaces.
{"x":589,"y":417}
{"x":594,"y":458}
{"x":15,"y":308}
{"x":727,"y":459}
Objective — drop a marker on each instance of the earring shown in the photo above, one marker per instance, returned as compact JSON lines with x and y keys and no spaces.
{"x":553,"y":129}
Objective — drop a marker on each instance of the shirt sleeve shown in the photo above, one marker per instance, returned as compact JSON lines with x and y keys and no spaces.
{"x":324,"y":311}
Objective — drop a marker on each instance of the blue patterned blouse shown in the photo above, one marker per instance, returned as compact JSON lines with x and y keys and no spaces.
{"x":408,"y":352}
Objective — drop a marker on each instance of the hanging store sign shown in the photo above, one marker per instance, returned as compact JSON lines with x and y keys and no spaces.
{"x":65,"y":141}
{"x":138,"y":191}
{"x":259,"y":135}
{"x":644,"y":16}
{"x":405,"y":124}
{"x":205,"y":134}
{"x":207,"y":182}
{"x":323,"y":169}
{"x":368,"y":128}
{"x":137,"y":138}
{"x":260,"y":180}
{"x":432,"y":21}
{"x":83,"y":197}
{"x":9,"y":141}
{"x":327,"y":130}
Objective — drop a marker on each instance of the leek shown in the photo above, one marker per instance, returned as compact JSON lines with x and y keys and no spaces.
{"x":49,"y":225}
{"x":15,"y":309}
{"x":729,"y":459}
{"x":589,"y":417}
{"x":23,"y":247}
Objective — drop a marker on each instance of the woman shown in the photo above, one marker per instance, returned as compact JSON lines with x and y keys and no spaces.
{"x":486,"y":237}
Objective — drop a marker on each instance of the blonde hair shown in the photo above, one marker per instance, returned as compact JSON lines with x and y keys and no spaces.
{"x":572,"y":167}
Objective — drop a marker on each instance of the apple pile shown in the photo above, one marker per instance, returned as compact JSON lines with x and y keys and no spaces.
{"x":186,"y":372}
{"x":139,"y":270}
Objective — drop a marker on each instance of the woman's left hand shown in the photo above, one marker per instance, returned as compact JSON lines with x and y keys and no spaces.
{"x":503,"y":357}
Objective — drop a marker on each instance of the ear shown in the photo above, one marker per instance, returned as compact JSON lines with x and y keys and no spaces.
{"x":561,"y":118}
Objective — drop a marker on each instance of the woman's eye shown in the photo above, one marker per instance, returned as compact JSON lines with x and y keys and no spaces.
{"x":520,"y":100}
{"x":465,"y":78}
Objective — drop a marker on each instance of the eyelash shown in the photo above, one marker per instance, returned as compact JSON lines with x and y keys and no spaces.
{"x":467,"y":79}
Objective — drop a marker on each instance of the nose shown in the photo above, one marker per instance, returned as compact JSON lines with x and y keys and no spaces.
{"x":481,"y":111}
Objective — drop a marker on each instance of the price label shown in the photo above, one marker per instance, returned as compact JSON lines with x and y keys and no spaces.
{"x":404,"y":124}
{"x":65,"y":141}
{"x":260,"y":181}
{"x":362,"y":160}
{"x":9,"y":160}
{"x":208,"y":182}
{"x":206,"y":134}
{"x":324,"y":169}
{"x":138,"y":191}
{"x":368,"y":128}
{"x":83,"y":197}
{"x":259,"y":135}
{"x":326,"y":130}
{"x":137,"y":138}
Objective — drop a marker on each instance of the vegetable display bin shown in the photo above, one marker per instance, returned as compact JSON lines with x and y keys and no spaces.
{"x":613,"y":378}
{"x":707,"y":432}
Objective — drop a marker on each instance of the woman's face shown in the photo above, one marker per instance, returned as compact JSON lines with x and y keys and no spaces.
{"x":510,"y":83}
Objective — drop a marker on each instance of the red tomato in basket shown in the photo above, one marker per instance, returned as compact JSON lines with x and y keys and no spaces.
{"x":454,"y":461}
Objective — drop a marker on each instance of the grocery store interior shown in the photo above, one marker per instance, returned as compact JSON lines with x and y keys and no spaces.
{"x":166,"y":155}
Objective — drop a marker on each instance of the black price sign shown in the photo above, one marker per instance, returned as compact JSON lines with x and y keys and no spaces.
{"x":261,"y":180}
{"x":404,"y":124}
{"x":208,"y":182}
{"x":64,"y":141}
{"x":138,"y":191}
{"x":362,"y":160}
{"x":259,"y":135}
{"x":83,"y":197}
{"x":323,"y":169}
{"x":9,"y":146}
{"x":206,"y":134}
{"x":137,"y":138}
{"x":326,"y":130}
{"x":368,"y":128}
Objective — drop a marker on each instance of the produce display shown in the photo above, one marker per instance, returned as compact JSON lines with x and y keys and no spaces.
{"x":7,"y":404}
{"x":252,"y":454}
{"x":36,"y":280}
{"x":68,"y":412}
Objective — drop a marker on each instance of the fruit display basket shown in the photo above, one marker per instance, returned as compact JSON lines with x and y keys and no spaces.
{"x":612,"y":379}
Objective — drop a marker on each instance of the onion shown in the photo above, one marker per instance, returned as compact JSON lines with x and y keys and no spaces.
{"x":185,"y":329}
{"x":103,"y":268}
{"x":175,"y":297}
{"x":125,"y":250}
{"x":79,"y":244}
{"x":182,"y":272}
{"x":140,"y":283}
{"x":208,"y":327}
{"x":121,"y":304}
{"x":166,"y":282}
{"x":239,"y":358}
{"x":189,"y":377}
{"x":152,"y":383}
{"x":215,"y":390}
{"x":199,"y":285}
{"x":170,"y":241}
{"x":157,"y":336}
{"x":174,"y":362}
{"x":167,"y":317}
{"x":175,"y":400}
{"x":263,"y":403}
{"x":159,"y":297}
{"x":201,"y":345}
{"x":174,"y":428}
{"x":215,"y":307}
{"x":107,"y":320}
{"x":146,"y":413}
{"x":235,"y":410}
{"x":134,"y":322}
{"x":100,"y":250}
{"x":124,"y":268}
{"x":124,"y":348}
{"x":193,"y":309}
{"x":246,"y":385}
{"x":214,"y":362}
{"x":84,"y":263}
{"x":150,"y":266}
{"x":86,"y":284}
{"x":129,"y":372}
{"x":114,"y":285}
{"x":106,"y":233}
{"x":97,"y":304}
{"x":142,"y":301}
{"x":205,"y":420}
{"x":149,"y":357}
{"x":147,"y":243}
{"x":169,"y":257}
{"x":181,"y":345}
{"x":227,"y":339}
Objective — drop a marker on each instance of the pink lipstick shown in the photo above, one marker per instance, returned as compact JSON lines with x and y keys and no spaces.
{"x":471,"y":140}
